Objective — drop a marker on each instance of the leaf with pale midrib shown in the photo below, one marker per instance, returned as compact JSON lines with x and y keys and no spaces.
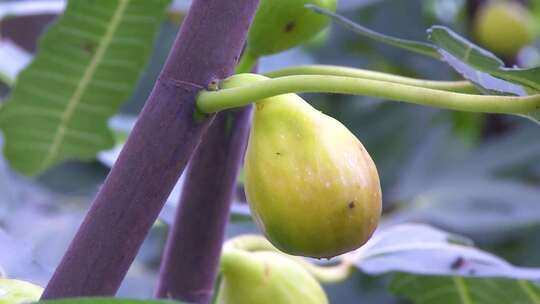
{"x":87,"y":65}
{"x":460,"y":290}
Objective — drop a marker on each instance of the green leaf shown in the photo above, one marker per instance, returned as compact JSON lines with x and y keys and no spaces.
{"x":413,"y":46}
{"x":425,"y":250}
{"x":454,"y":290}
{"x":467,"y":126}
{"x":106,"y":301}
{"x":483,"y":68}
{"x":474,"y":63}
{"x":477,"y":59}
{"x":482,"y":59}
{"x":87,"y":65}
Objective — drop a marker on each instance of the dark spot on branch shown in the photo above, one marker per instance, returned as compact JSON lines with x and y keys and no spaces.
{"x":351,"y":205}
{"x":290,"y":26}
{"x":278,"y":153}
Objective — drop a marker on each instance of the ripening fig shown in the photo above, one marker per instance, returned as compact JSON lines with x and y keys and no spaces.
{"x":504,"y":27}
{"x":15,"y":291}
{"x":266,"y":278}
{"x":312,"y":187}
{"x":279,"y":25}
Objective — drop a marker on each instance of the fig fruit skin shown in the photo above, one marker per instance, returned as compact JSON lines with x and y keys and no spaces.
{"x":312,"y":187}
{"x":16,"y":291}
{"x":504,"y":27}
{"x":279,"y":25}
{"x":265,"y":277}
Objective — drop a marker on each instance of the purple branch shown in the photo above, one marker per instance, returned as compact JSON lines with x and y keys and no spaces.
{"x":161,"y":143}
{"x":191,"y":257}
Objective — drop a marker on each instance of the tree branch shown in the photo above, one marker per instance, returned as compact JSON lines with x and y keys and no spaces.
{"x":162,"y":141}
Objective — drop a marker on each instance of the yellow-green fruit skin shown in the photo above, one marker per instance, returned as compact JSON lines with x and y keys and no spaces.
{"x":312,"y":187}
{"x":279,"y":25}
{"x":15,"y":291}
{"x":266,"y":278}
{"x":504,"y":27}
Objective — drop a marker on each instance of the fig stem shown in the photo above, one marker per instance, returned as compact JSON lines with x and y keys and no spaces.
{"x":252,"y":242}
{"x":462,"y":86}
{"x":257,"y":88}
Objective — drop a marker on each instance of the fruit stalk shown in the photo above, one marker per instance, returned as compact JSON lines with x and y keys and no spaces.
{"x":156,"y":152}
{"x":208,"y":102}
{"x":191,"y":257}
{"x":460,"y":86}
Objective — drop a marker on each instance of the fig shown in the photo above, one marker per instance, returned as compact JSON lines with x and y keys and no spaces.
{"x":312,"y":187}
{"x":15,"y":291}
{"x":266,"y":277}
{"x":504,"y":27}
{"x":279,"y":25}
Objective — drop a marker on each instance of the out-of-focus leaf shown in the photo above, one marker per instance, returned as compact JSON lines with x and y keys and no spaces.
{"x":87,"y":65}
{"x":478,"y":207}
{"x":468,"y":126}
{"x":421,"y":249}
{"x":446,"y":11}
{"x":18,"y":60}
{"x":455,"y":290}
{"x":348,"y":5}
{"x":413,"y":46}
{"x":180,"y":6}
{"x":106,"y":301}
{"x":460,"y":190}
{"x":498,"y":154}
{"x":16,"y":259}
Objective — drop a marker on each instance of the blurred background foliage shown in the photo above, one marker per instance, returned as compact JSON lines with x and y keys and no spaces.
{"x":473,"y":174}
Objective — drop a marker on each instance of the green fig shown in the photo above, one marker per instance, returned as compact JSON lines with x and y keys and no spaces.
{"x":312,"y":187}
{"x":15,"y":291}
{"x":279,"y":25}
{"x":265,"y":277}
{"x":504,"y":27}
